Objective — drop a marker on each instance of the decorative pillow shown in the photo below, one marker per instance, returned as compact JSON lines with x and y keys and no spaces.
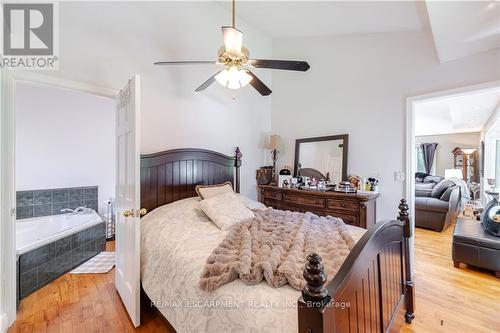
{"x":249,"y":203}
{"x":447,"y":194}
{"x":440,"y":188}
{"x":433,"y":179}
{"x":225,"y":210}
{"x":208,"y":191}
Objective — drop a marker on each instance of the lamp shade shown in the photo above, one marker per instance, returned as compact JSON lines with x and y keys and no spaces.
{"x":453,"y":173}
{"x":274,"y":142}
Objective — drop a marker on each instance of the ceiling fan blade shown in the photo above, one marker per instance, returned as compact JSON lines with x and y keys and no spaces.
{"x":207,"y":82}
{"x":290,"y":65}
{"x":233,"y":41}
{"x":185,"y":63}
{"x":259,"y":85}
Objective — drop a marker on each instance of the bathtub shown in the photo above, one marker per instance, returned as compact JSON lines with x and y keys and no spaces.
{"x":49,"y":246}
{"x":35,"y":232}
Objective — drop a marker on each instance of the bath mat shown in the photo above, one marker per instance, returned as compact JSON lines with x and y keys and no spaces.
{"x":101,"y":263}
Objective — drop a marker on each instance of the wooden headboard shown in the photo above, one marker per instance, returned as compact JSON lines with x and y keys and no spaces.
{"x":172,"y":175}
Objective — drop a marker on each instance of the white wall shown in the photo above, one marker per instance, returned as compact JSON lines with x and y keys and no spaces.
{"x":100,"y":47}
{"x":490,"y":135}
{"x":64,"y":138}
{"x":446,"y":143}
{"x":358,"y":84}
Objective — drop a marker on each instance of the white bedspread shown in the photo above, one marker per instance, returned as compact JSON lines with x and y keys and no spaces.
{"x":176,"y":240}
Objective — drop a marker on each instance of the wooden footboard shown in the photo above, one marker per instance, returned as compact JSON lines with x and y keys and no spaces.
{"x":372,"y":291}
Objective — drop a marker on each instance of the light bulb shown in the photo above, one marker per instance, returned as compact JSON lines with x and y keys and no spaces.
{"x":233,"y":39}
{"x":233,"y":78}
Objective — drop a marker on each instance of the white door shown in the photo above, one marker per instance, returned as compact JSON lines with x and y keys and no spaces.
{"x":128,"y":198}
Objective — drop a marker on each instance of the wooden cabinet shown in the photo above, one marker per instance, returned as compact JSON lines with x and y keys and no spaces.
{"x":354,"y":209}
{"x":467,"y":161}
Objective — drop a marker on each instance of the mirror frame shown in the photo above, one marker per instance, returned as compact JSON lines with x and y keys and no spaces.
{"x":344,"y":137}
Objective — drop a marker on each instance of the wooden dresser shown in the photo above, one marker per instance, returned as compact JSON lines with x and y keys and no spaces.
{"x":354,"y":209}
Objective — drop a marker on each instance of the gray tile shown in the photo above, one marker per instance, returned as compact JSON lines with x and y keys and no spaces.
{"x":76,"y":204}
{"x":43,"y":210}
{"x":102,"y":229}
{"x":78,"y":239}
{"x":28,"y":282}
{"x":91,"y":233}
{"x":57,"y":206}
{"x":36,"y":257}
{"x":42,"y":197}
{"x":92,"y":204}
{"x":90,"y":249}
{"x":24,"y":198}
{"x":46,"y":272}
{"x":76,"y":194}
{"x":78,"y":256}
{"x":101,"y":244}
{"x":60,"y":195}
{"x":90,"y":193}
{"x":63,"y":263}
{"x":63,"y":246}
{"x":24,"y":212}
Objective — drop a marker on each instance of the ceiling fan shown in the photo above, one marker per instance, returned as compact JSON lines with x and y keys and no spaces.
{"x":237,"y":64}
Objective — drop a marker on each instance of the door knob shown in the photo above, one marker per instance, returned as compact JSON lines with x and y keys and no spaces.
{"x":129,"y":213}
{"x":136,"y":213}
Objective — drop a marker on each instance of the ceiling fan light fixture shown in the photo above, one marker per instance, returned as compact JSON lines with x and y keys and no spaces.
{"x":233,"y":78}
{"x":233,"y":41}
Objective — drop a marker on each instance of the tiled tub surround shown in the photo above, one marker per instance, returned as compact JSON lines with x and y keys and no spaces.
{"x":50,"y":202}
{"x":42,"y":265}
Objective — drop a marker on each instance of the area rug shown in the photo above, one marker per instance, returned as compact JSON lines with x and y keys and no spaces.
{"x":101,"y":263}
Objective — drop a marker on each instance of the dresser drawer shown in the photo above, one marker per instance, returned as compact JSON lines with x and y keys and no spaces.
{"x":272,"y":195}
{"x":348,"y":219}
{"x":306,"y":201}
{"x":343,"y":204}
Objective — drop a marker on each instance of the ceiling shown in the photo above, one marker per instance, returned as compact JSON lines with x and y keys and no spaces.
{"x":464,"y":28}
{"x":459,"y":28}
{"x":285,"y":19}
{"x":461,"y":114}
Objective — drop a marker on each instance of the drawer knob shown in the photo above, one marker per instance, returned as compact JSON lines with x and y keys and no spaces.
{"x":343,"y":204}
{"x":316,"y":202}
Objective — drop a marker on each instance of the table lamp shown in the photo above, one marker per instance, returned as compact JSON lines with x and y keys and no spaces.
{"x":274,"y":146}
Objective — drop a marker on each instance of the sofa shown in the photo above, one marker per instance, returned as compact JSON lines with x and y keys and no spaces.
{"x":437,"y":202}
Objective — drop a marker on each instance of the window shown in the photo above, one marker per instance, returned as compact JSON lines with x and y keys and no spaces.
{"x":420,"y":159}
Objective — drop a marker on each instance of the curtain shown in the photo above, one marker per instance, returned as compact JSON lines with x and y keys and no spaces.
{"x":428,"y":150}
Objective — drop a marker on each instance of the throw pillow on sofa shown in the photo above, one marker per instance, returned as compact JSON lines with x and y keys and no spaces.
{"x":447,"y":194}
{"x":440,"y":188}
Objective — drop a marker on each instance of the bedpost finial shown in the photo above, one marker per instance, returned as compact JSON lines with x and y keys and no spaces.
{"x":315,"y":276}
{"x":403,"y":210}
{"x":238,"y":153}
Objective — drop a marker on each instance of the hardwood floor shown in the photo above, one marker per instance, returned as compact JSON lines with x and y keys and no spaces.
{"x":448,"y":299}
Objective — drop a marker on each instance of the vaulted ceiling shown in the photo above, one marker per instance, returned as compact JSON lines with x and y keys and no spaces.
{"x":460,"y":114}
{"x":459,"y":28}
{"x":285,"y":19}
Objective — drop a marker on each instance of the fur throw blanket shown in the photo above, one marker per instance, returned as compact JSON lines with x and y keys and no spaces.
{"x":274,"y":246}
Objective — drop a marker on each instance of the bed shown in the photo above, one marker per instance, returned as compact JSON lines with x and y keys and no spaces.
{"x":372,"y":291}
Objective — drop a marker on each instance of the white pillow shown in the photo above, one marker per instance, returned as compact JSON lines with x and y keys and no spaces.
{"x":225,"y":210}
{"x":208,"y":191}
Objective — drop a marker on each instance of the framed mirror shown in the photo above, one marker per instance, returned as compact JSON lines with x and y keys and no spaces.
{"x":322,"y":157}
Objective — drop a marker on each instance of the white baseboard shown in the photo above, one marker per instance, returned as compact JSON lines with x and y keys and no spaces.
{"x":4,"y":323}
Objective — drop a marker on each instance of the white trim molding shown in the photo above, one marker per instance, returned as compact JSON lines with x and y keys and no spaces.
{"x":411,"y":163}
{"x":9,"y":79}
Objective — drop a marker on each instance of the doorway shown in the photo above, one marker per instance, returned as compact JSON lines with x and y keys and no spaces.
{"x":54,"y":122}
